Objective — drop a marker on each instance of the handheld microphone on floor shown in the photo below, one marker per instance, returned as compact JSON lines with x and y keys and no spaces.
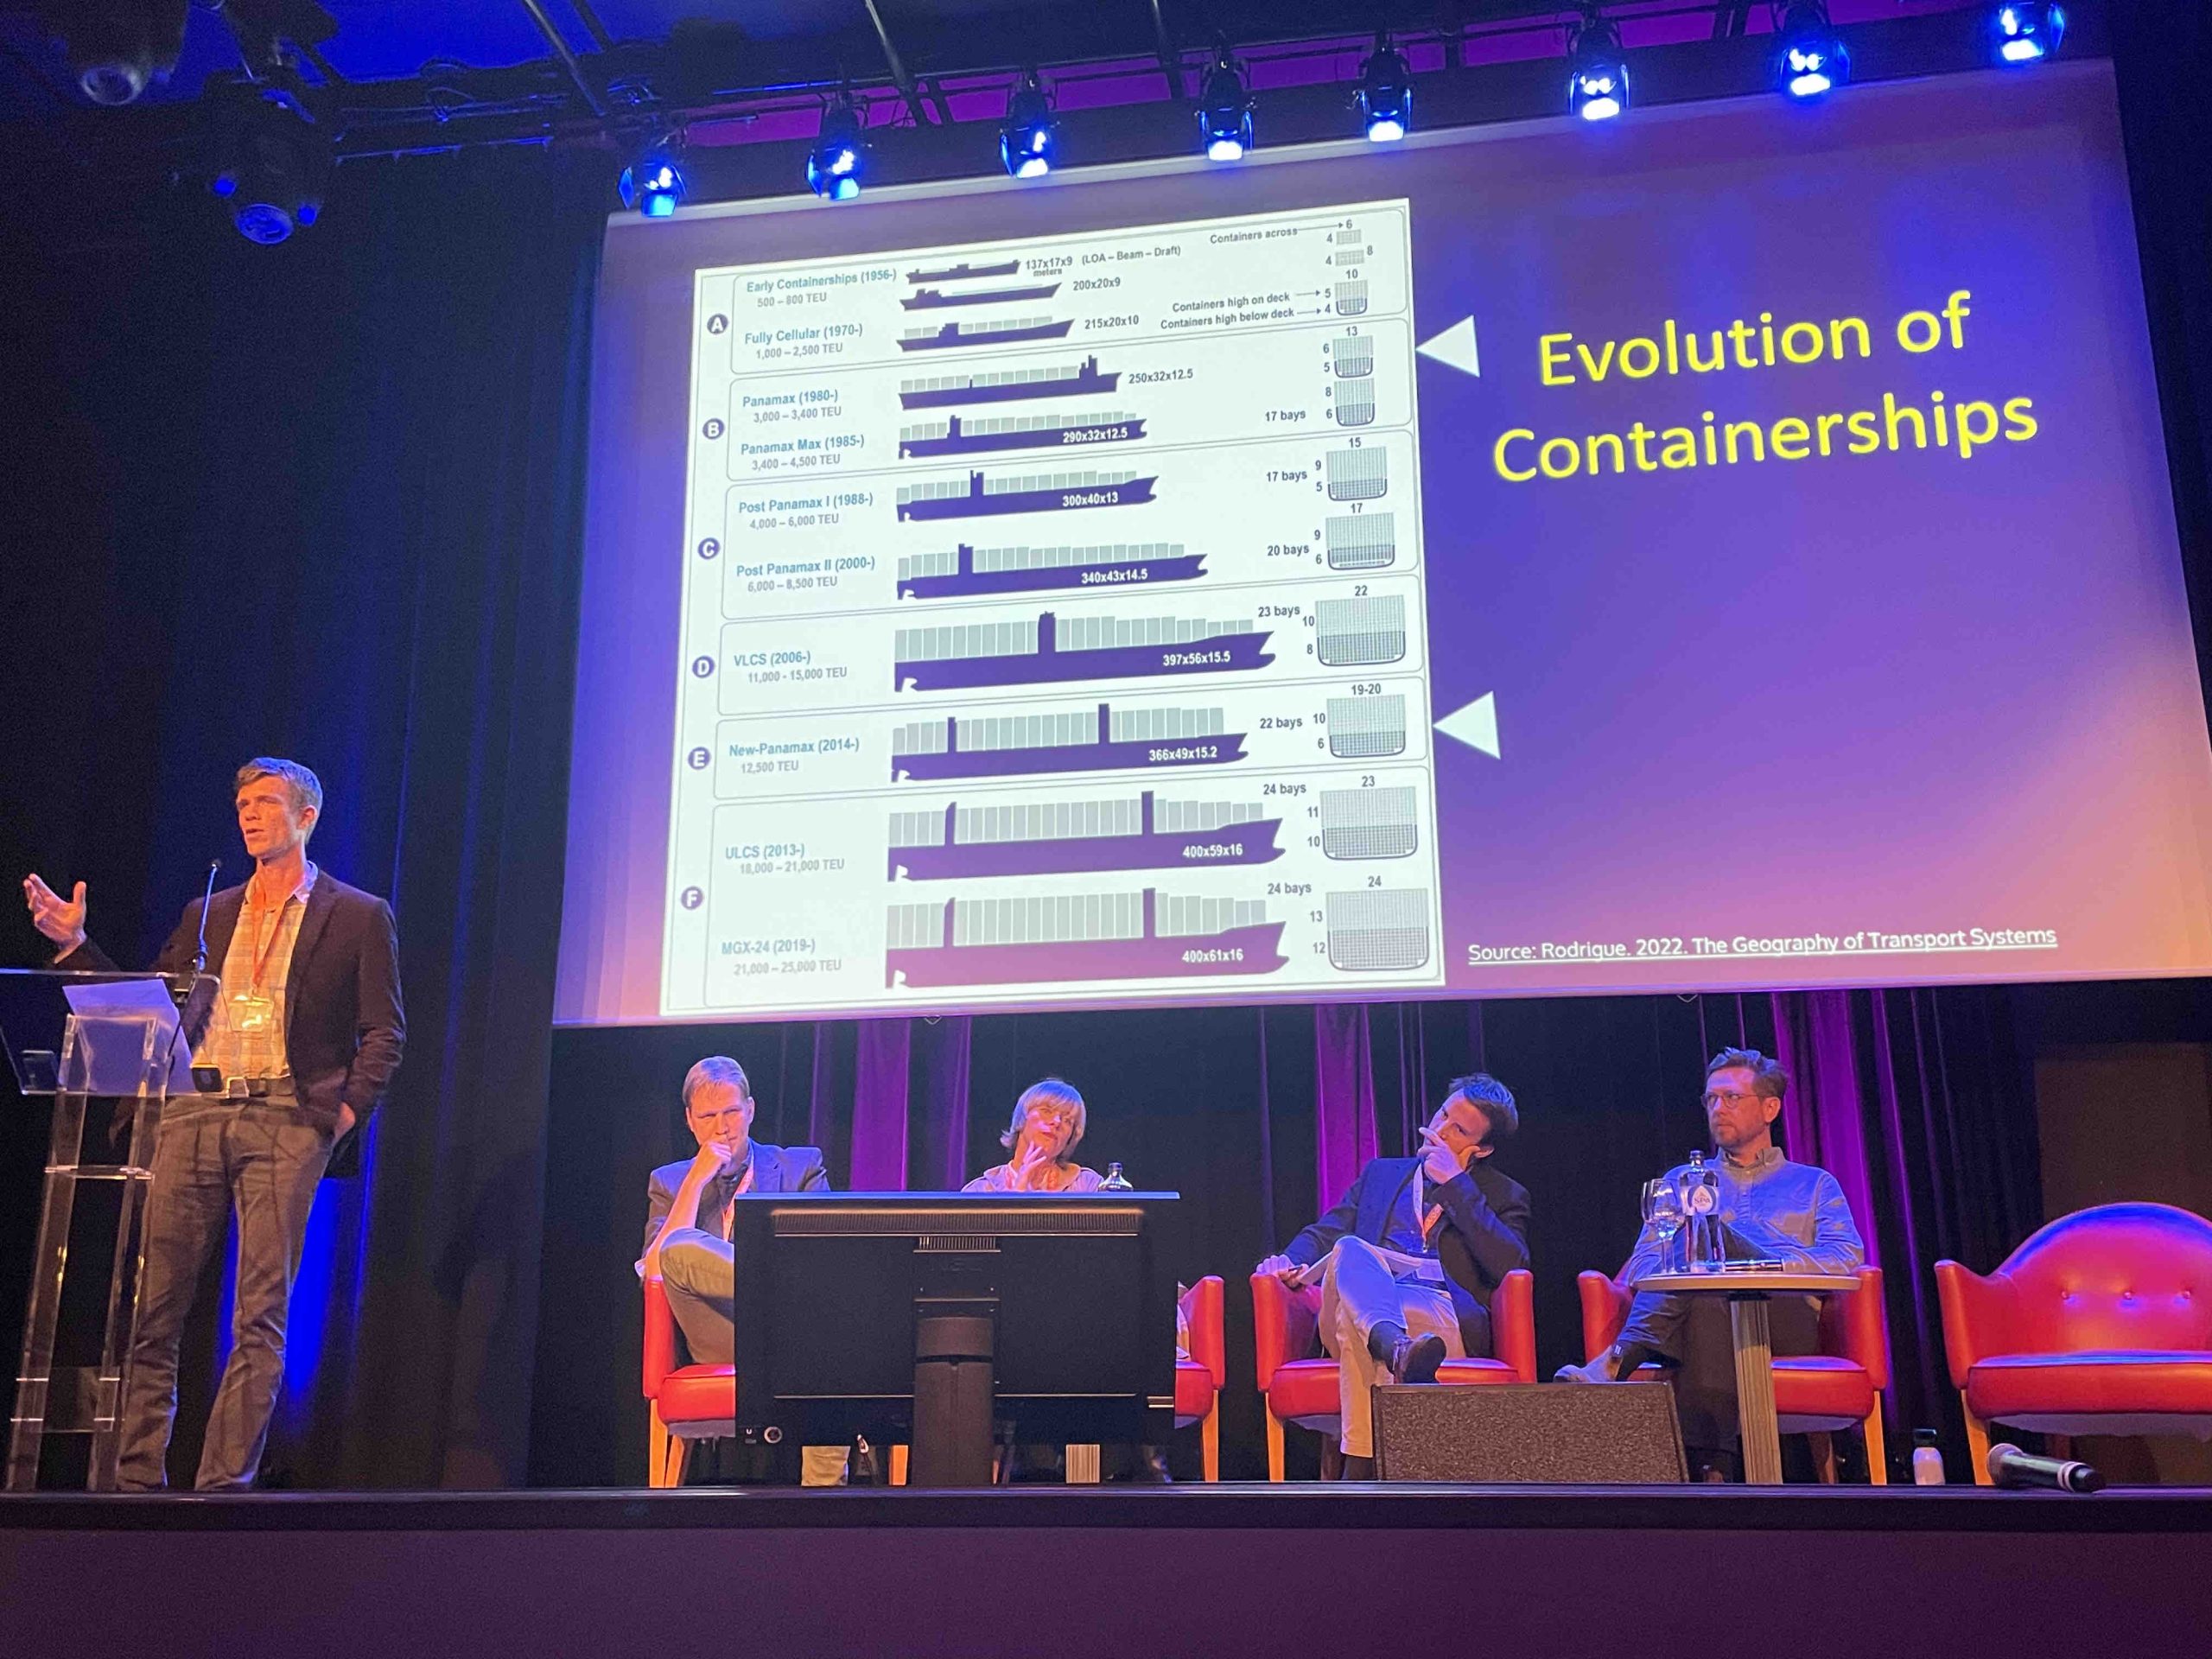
{"x":2010,"y":1466}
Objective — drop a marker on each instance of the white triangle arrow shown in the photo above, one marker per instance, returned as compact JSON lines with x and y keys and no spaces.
{"x":1476,"y":725}
{"x":1455,"y":347}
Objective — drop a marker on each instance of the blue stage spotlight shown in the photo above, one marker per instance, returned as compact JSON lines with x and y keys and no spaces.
{"x":653,"y":182}
{"x":1029,"y":137}
{"x":1596,"y":72}
{"x":118,"y":49}
{"x":2027,"y":31}
{"x":1224,"y":110}
{"x":270,"y":164}
{"x":1385,"y":93}
{"x":1811,"y":59}
{"x":833,"y":166}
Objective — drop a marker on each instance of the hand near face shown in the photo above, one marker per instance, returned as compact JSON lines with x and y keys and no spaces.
{"x":62,"y":921}
{"x":1438,"y":1163}
{"x":712,"y":1157}
{"x":1030,"y":1161}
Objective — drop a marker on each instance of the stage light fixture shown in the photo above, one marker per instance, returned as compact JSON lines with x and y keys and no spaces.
{"x":1812,"y":59}
{"x":1596,"y":72}
{"x":2027,"y":31}
{"x":833,"y":166}
{"x":1385,"y":93}
{"x":1224,"y":110}
{"x":118,"y":49}
{"x":653,"y":183}
{"x":1029,"y":137}
{"x":271,"y":164}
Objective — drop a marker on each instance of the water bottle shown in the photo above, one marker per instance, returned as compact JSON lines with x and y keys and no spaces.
{"x":1115,"y":1181}
{"x":1927,"y":1458}
{"x":1703,"y":1251}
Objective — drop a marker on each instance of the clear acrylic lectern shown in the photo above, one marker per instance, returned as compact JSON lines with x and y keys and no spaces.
{"x":108,"y":1049}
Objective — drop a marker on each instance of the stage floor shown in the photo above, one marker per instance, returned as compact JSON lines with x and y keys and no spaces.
{"x":1118,"y":1571}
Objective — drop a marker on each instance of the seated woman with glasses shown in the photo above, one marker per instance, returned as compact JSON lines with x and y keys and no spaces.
{"x":1047,"y":1126}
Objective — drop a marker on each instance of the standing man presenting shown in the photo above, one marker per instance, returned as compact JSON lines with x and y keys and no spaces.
{"x":298,"y":1049}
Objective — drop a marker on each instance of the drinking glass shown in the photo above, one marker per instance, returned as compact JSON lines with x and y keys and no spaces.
{"x":1663,"y":1210}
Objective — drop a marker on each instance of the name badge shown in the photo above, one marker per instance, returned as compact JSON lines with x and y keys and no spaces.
{"x":252,"y":1014}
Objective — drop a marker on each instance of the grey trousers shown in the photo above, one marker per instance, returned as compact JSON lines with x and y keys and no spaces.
{"x":258,"y":1160}
{"x":699,"y":1274}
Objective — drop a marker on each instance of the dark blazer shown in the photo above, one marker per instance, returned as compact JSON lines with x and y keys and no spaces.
{"x":344,"y":1029}
{"x":776,"y":1169}
{"x":1484,"y":1236}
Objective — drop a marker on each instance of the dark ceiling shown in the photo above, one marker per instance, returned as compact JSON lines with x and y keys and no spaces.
{"x":748,"y":45}
{"x":775,"y":42}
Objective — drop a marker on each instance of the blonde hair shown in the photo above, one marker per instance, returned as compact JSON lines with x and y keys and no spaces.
{"x":1050,"y":1091}
{"x":715,"y":1068}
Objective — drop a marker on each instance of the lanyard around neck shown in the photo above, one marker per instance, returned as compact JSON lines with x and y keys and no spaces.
{"x":258,"y":953}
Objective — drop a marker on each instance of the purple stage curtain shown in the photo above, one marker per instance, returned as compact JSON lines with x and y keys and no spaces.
{"x":946,"y":1048}
{"x":1912,"y":1100}
{"x":882,"y":1084}
{"x":1822,"y":1122}
{"x":888,"y":1103}
{"x":1343,"y":1098}
{"x":1379,"y":1071}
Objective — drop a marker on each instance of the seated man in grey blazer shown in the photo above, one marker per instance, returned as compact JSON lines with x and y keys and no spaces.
{"x":687,"y":1230}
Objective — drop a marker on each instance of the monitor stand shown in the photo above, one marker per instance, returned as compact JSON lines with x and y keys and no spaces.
{"x":955,"y":1392}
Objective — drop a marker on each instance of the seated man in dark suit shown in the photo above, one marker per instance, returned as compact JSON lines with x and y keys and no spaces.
{"x":688,"y":1225}
{"x":1410,"y":1256}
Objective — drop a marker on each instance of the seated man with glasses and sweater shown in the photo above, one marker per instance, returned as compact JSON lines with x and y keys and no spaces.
{"x":1771,"y":1209}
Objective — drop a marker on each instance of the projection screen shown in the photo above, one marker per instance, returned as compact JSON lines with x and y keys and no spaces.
{"x":1730,"y":548}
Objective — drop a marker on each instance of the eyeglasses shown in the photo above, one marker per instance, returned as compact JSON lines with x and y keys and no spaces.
{"x":1725,"y":1097}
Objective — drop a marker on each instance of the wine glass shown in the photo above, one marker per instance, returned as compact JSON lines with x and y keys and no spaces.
{"x":1663,"y":1211}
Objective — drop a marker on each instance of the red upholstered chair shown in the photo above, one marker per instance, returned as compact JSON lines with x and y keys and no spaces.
{"x":1840,"y":1388}
{"x":1303,"y":1390}
{"x":699,"y":1403}
{"x":1200,"y":1378}
{"x":690,"y":1402}
{"x":2100,"y":1324}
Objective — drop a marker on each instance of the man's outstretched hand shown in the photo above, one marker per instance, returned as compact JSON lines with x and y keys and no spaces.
{"x":62,"y":921}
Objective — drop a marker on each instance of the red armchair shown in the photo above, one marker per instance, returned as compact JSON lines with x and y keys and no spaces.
{"x":690,"y":1402}
{"x":1841,"y":1387}
{"x":1303,"y":1390}
{"x":2100,"y":1324}
{"x":699,"y":1403}
{"x":1200,"y":1378}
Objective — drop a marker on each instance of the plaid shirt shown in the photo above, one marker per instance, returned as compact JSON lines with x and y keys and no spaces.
{"x":258,"y":963}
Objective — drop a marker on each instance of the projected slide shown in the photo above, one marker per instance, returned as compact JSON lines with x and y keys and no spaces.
{"x":1013,"y":625}
{"x":1548,"y":560}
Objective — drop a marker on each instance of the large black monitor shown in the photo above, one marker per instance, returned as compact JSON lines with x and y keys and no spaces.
{"x":943,"y":1312}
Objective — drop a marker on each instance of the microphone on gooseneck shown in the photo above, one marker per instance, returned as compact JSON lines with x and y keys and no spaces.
{"x":181,"y":993}
{"x":2010,"y":1466}
{"x":207,"y":899}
